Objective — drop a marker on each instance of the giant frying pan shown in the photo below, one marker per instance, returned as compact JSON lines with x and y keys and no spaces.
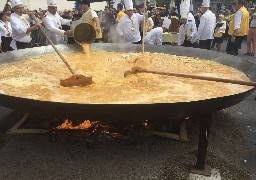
{"x":130,"y":112}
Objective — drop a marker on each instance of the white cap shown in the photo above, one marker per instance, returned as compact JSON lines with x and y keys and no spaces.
{"x":206,"y":3}
{"x":52,"y":3}
{"x":221,"y":15}
{"x":15,"y":3}
{"x":128,"y":5}
{"x":184,"y":9}
{"x":166,"y":23}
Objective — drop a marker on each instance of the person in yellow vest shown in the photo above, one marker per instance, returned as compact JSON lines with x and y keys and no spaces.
{"x":90,"y":17}
{"x":238,"y":28}
{"x":120,"y":13}
{"x":219,"y":32}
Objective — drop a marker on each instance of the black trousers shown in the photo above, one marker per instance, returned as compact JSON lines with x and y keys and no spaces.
{"x":205,"y":44}
{"x":187,"y":43}
{"x":232,"y":47}
{"x":22,"y":45}
{"x":6,"y":41}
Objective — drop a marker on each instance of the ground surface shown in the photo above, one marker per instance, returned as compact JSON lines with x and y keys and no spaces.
{"x":232,"y":150}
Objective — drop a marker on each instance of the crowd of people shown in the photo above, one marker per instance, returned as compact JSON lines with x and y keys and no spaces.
{"x":202,"y":27}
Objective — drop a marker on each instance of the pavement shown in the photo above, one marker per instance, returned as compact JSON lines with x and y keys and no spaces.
{"x":37,"y":156}
{"x":241,"y":52}
{"x":245,"y":114}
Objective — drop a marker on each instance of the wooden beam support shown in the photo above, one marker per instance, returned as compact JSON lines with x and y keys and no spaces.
{"x":183,"y":136}
{"x":16,"y":128}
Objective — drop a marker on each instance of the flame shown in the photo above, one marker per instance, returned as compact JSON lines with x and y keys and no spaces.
{"x":69,"y":125}
{"x":96,"y":127}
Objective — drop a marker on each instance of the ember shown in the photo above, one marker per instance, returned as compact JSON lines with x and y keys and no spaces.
{"x":145,"y":123}
{"x":187,"y":118}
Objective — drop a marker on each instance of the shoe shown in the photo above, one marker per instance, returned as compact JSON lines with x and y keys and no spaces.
{"x":247,"y":54}
{"x":251,"y":54}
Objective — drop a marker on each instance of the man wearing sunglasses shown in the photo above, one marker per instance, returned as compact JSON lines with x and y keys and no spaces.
{"x":53,"y":24}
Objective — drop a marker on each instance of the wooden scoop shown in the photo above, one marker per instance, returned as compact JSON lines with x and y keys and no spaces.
{"x":136,"y":70}
{"x":74,"y":80}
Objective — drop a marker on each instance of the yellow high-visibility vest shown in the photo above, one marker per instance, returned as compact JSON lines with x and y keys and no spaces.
{"x":89,"y":19}
{"x":244,"y":27}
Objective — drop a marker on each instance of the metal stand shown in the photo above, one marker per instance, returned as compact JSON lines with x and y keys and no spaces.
{"x":15,"y":129}
{"x":201,"y":167}
{"x":183,"y":136}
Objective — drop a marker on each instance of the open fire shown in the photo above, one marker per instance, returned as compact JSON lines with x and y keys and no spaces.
{"x":69,"y":125}
{"x":100,"y":129}
{"x":88,"y":128}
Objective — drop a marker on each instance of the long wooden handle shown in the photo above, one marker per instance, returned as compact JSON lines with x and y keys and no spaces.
{"x":246,"y":83}
{"x":144,"y":27}
{"x":57,"y":51}
{"x":54,"y":47}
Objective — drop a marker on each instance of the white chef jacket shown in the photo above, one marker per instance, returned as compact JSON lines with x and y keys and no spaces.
{"x":151,"y":22}
{"x":19,"y":29}
{"x":5,"y":29}
{"x":206,"y":26}
{"x":53,"y":27}
{"x":191,"y":17}
{"x":154,"y":37}
{"x":191,"y":31}
{"x":126,"y":25}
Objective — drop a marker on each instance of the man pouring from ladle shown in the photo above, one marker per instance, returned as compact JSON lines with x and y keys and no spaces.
{"x":90,"y":17}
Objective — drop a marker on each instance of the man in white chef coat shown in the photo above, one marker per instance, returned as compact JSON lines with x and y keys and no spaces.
{"x":21,"y":29}
{"x":206,"y":26}
{"x":155,"y":36}
{"x":5,"y":32}
{"x":128,"y":26}
{"x":53,"y":22}
{"x":187,"y":31}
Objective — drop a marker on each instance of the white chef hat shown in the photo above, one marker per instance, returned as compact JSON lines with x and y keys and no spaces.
{"x":166,"y":23}
{"x":206,"y":3}
{"x":128,"y":5}
{"x":15,"y":3}
{"x":191,"y":17}
{"x":52,"y":3}
{"x":184,"y":10}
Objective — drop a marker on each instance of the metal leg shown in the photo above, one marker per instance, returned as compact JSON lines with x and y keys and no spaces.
{"x":201,"y":167}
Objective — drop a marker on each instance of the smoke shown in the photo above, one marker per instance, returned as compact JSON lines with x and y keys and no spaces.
{"x":114,"y":35}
